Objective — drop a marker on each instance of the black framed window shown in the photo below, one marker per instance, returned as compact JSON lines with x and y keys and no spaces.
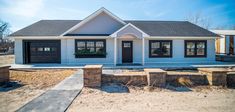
{"x":90,"y":48}
{"x":160,"y":48}
{"x":195,"y":48}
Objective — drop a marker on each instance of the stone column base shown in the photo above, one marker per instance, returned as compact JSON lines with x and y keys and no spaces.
{"x":92,"y":75}
{"x":156,"y":77}
{"x":4,"y":74}
{"x":215,"y":77}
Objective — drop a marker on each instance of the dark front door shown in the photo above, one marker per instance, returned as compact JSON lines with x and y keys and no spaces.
{"x":42,"y":51}
{"x":127,"y":54}
{"x":231,"y":45}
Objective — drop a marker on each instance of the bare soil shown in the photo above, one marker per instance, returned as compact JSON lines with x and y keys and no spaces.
{"x":28,"y":85}
{"x":199,"y":99}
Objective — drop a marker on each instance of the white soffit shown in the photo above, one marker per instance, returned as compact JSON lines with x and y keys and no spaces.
{"x":224,"y":32}
{"x":129,"y":24}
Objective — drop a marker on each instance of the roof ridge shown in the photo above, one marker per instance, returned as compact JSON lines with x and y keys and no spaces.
{"x":60,"y":20}
{"x":156,"y":20}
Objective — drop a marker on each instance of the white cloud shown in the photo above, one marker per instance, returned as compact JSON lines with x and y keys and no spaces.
{"x":26,"y":8}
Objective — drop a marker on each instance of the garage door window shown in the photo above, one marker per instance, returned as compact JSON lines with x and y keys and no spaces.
{"x":47,"y":49}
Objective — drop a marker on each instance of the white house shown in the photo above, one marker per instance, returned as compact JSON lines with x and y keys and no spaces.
{"x":225,"y":45}
{"x":104,"y":38}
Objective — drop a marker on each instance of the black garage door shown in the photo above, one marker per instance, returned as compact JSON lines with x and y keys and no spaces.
{"x":41,"y":51}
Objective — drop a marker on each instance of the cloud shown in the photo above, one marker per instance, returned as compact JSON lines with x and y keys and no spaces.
{"x":25,"y":8}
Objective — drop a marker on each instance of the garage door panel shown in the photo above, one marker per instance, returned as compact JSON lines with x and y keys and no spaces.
{"x":43,"y":51}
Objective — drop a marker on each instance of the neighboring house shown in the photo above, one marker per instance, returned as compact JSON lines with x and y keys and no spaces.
{"x":225,"y":45}
{"x":103,"y":38}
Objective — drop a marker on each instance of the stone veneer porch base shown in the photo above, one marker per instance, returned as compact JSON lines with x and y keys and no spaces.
{"x":94,"y":77}
{"x":154,"y":79}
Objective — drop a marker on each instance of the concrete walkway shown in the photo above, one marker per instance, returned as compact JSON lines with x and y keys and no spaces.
{"x":58,"y":98}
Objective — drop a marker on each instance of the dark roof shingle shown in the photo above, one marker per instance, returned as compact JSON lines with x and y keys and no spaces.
{"x":171,"y":28}
{"x":153,"y":28}
{"x":46,"y":28}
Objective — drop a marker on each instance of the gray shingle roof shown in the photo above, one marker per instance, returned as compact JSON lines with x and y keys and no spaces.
{"x":46,"y":28}
{"x":172,"y":28}
{"x":153,"y":28}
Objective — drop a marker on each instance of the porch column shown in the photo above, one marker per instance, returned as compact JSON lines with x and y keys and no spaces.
{"x":143,"y":51}
{"x":115,"y":51}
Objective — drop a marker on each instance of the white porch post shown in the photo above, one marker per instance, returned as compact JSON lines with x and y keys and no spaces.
{"x":115,"y":51}
{"x":143,"y":51}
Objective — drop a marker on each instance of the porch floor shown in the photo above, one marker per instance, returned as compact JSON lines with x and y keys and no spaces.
{"x":155,"y":65}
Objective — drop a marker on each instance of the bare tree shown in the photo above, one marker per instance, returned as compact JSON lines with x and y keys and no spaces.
{"x":4,"y":29}
{"x":199,"y":20}
{"x":5,"y":43}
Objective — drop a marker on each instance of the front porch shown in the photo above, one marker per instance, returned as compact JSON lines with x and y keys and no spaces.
{"x":129,"y":45}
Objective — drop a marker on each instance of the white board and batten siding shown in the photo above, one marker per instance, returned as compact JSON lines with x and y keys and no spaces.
{"x":68,"y":50}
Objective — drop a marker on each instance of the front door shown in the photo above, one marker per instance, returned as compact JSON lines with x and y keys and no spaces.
{"x":127,"y":54}
{"x":231,"y":45}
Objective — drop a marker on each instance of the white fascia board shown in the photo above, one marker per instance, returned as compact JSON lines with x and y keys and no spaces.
{"x":129,"y":24}
{"x":85,"y":37}
{"x":177,"y":37}
{"x":93,"y":15}
{"x":224,"y":32}
{"x":37,"y":37}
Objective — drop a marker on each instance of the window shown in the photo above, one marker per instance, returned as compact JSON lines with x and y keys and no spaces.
{"x":40,"y":49}
{"x":90,"y":48}
{"x":195,"y":48}
{"x":47,"y":49}
{"x":127,"y":45}
{"x":160,"y":48}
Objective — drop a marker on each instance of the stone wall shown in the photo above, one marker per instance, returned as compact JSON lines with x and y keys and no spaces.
{"x":156,"y":77}
{"x":136,"y":80}
{"x":92,"y":75}
{"x":231,"y":80}
{"x":186,"y":80}
{"x":4,"y":74}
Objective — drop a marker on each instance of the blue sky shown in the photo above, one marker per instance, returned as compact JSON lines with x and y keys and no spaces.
{"x":21,"y":13}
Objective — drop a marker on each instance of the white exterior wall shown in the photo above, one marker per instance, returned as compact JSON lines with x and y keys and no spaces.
{"x":68,"y":57}
{"x":64,"y":51}
{"x":178,"y":53}
{"x":222,"y":45}
{"x":101,"y":24}
{"x":18,"y":51}
{"x":68,"y":50}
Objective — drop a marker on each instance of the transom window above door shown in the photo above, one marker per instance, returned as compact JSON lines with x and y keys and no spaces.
{"x":160,"y":48}
{"x":90,"y":48}
{"x":195,"y":48}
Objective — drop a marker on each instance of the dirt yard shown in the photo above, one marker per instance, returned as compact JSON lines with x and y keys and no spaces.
{"x":29,"y":84}
{"x":7,"y":59}
{"x":200,"y":99}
